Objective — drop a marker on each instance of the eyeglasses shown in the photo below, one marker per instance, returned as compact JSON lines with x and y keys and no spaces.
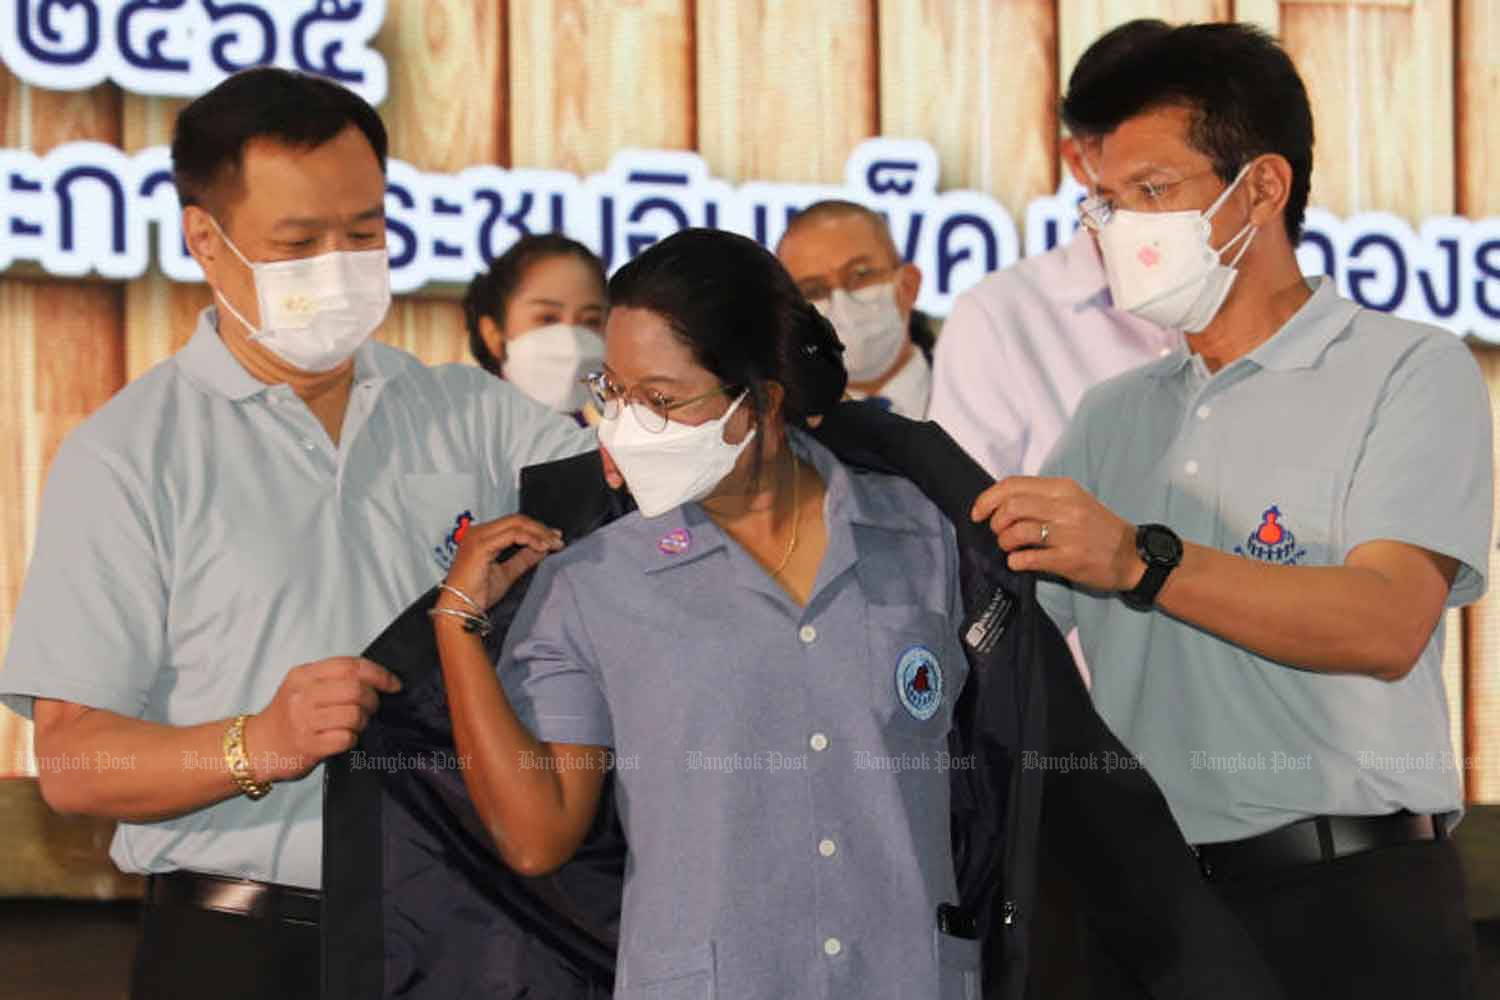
{"x":852,"y":279}
{"x":1095,"y":211}
{"x":652,"y":407}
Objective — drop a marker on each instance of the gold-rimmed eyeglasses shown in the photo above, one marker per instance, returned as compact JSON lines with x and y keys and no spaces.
{"x":653,"y":407}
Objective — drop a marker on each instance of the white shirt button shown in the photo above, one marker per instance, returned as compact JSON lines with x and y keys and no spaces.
{"x":827,"y":848}
{"x":1204,"y":411}
{"x":308,"y":444}
{"x":807,"y":633}
{"x":819,"y":742}
{"x":1164,"y":352}
{"x":1191,"y":468}
{"x":832,"y":946}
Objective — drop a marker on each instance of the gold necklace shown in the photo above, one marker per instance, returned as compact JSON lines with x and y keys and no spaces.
{"x":796,"y":517}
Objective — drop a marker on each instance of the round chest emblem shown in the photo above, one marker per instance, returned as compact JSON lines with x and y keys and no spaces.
{"x":919,"y":683}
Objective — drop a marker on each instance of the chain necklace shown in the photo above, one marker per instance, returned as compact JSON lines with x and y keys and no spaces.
{"x":796,"y":517}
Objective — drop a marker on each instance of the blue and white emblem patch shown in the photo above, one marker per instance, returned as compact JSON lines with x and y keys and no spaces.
{"x":919,"y":683}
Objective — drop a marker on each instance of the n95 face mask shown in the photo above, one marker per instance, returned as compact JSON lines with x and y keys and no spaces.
{"x":1162,"y":267}
{"x":315,"y":312}
{"x":547,"y":363}
{"x":869,"y":326}
{"x":681,"y":464}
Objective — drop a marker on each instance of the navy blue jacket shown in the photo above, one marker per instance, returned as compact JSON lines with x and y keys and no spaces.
{"x":418,"y":904}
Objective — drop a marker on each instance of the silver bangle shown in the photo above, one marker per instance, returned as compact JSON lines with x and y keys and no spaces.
{"x":462,"y":597}
{"x":479,"y":624}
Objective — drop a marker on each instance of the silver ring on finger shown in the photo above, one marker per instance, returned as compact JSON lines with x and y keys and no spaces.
{"x":1046,"y":530}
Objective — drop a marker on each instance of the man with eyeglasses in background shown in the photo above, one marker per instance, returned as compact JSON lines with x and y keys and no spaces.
{"x":1022,"y":346}
{"x":1258,"y":534}
{"x":842,"y":256}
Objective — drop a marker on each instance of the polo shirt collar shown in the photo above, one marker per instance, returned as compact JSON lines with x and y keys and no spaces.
{"x":1304,"y":338}
{"x":209,"y":363}
{"x":1300,"y":343}
{"x":686,"y":534}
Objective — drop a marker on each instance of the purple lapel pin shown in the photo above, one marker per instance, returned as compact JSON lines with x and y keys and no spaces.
{"x":675,"y":542}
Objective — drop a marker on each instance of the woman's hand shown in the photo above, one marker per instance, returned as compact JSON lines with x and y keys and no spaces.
{"x":475,"y":571}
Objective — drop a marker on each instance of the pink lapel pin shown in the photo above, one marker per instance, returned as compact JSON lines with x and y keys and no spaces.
{"x":675,"y":542}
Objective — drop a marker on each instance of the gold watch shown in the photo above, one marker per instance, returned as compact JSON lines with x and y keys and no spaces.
{"x":238,"y":761}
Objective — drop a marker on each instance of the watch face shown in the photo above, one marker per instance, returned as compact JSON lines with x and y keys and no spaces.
{"x":1161,"y":546}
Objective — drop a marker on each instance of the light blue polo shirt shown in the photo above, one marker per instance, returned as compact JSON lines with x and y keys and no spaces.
{"x":201,"y":535}
{"x":1346,"y":427}
{"x":781,"y":770}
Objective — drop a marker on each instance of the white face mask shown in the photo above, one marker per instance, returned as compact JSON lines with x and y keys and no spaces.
{"x":1162,"y":268}
{"x":681,"y":464}
{"x":546,"y":364}
{"x":316,"y":311}
{"x":870,"y":327}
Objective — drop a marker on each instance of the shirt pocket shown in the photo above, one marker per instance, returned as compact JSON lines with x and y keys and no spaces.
{"x":1285,"y":517}
{"x":958,"y":966}
{"x":913,"y":676}
{"x":438,"y":508}
{"x":687,"y":974}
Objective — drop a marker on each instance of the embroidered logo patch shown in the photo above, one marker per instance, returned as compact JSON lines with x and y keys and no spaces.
{"x":919,"y":683}
{"x":675,"y":542}
{"x":443,"y":554}
{"x":1272,"y":541}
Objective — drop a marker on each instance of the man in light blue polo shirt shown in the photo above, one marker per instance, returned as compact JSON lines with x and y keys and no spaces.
{"x":1258,"y":534}
{"x":226,"y":531}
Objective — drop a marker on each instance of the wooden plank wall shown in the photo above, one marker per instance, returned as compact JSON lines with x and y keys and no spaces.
{"x":777,"y":90}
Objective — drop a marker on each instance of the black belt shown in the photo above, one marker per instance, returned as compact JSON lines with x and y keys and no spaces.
{"x":1312,"y":841}
{"x":244,"y":897}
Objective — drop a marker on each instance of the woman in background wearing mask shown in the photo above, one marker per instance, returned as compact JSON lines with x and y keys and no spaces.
{"x":536,"y":319}
{"x":842,"y":257}
{"x":763,"y":650}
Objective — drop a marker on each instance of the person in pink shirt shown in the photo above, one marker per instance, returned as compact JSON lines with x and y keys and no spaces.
{"x":1022,"y":346}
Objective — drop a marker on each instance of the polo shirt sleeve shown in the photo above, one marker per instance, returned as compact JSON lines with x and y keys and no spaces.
{"x":90,"y":625}
{"x":548,"y":668}
{"x":1425,"y":472}
{"x":969,"y":397}
{"x":532,"y":433}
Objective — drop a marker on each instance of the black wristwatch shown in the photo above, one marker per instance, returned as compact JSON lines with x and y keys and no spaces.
{"x":1161,"y":550}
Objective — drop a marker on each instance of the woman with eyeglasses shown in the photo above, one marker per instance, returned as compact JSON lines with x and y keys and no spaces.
{"x":766,"y":652}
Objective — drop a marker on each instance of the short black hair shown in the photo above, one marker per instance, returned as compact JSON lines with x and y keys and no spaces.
{"x":1244,"y":94}
{"x":489,"y":293}
{"x":295,"y":109}
{"x":729,"y":300}
{"x":1104,"y":52}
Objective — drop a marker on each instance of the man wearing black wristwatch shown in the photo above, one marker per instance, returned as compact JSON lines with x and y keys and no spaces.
{"x":1256,"y":537}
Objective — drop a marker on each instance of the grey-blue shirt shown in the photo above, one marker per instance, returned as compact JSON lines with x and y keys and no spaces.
{"x":200,"y":535}
{"x":1348,"y":426}
{"x":781,"y":769}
